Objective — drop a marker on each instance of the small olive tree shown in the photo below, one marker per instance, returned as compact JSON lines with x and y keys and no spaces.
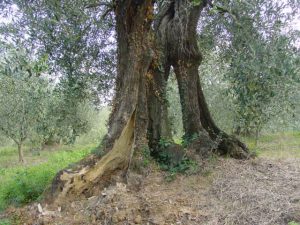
{"x":23,"y":96}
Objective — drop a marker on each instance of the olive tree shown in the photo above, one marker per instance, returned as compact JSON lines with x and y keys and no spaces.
{"x":255,"y":43}
{"x":23,"y":96}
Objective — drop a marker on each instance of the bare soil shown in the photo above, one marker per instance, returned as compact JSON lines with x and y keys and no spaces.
{"x":253,"y":192}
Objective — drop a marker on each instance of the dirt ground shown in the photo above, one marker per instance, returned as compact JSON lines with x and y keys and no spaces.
{"x":254,"y":192}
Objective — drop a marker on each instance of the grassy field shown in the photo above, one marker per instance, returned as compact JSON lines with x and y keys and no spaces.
{"x":279,"y":145}
{"x":21,"y":184}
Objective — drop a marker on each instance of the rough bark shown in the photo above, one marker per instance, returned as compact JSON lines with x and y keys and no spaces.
{"x":128,"y":120}
{"x":21,"y":153}
{"x":189,"y":101}
{"x":178,"y":25}
{"x":158,"y":127}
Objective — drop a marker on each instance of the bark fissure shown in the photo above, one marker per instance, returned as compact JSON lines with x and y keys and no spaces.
{"x":128,"y":120}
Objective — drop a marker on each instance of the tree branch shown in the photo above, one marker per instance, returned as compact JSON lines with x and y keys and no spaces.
{"x":99,"y":4}
{"x":7,"y":134}
{"x":109,"y":7}
{"x":221,"y":9}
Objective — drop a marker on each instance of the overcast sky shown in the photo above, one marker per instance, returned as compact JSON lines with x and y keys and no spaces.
{"x":9,"y":18}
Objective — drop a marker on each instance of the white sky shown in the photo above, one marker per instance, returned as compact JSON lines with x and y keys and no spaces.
{"x":295,"y":24}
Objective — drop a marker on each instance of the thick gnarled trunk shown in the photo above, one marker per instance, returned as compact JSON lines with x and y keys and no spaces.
{"x":128,"y":120}
{"x":139,"y":115}
{"x":178,"y":25}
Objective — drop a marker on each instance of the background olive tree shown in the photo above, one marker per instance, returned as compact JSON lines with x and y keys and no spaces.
{"x":23,"y":96}
{"x":34,"y":111}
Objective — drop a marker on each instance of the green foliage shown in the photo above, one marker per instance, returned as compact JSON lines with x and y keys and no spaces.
{"x":167,"y":163}
{"x":21,"y":185}
{"x":197,"y":2}
{"x":186,"y":166}
{"x":31,"y":108}
{"x":97,"y":120}
{"x":173,"y":159}
{"x":23,"y":94}
{"x":66,"y":121}
{"x":5,"y":222}
{"x":79,"y":58}
{"x":146,"y":154}
{"x":293,"y":223}
{"x":74,"y":36}
{"x":215,"y":86}
{"x":186,"y":140}
{"x":261,"y":81}
{"x":263,"y":66}
{"x":164,"y":143}
{"x":251,"y":78}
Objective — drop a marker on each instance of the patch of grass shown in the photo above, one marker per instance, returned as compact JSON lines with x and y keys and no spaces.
{"x":278,"y":145}
{"x":5,"y":222}
{"x":296,"y":134}
{"x":293,"y":223}
{"x":268,"y":138}
{"x":7,"y":151}
{"x":8,"y":155}
{"x":23,"y":184}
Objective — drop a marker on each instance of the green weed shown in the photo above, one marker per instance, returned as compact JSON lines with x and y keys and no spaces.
{"x":5,"y":222}
{"x":185,"y":166}
{"x":293,"y":223}
{"x":164,"y":143}
{"x":146,"y":156}
{"x":21,"y":185}
{"x":186,"y":140}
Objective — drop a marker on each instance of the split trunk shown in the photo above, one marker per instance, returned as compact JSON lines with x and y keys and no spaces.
{"x":139,"y":115}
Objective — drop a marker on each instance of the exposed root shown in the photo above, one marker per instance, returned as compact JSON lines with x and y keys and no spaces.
{"x":204,"y":145}
{"x":233,"y":147}
{"x":93,"y":174}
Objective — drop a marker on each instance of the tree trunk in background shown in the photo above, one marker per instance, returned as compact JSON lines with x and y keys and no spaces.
{"x":21,"y":153}
{"x":128,"y":120}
